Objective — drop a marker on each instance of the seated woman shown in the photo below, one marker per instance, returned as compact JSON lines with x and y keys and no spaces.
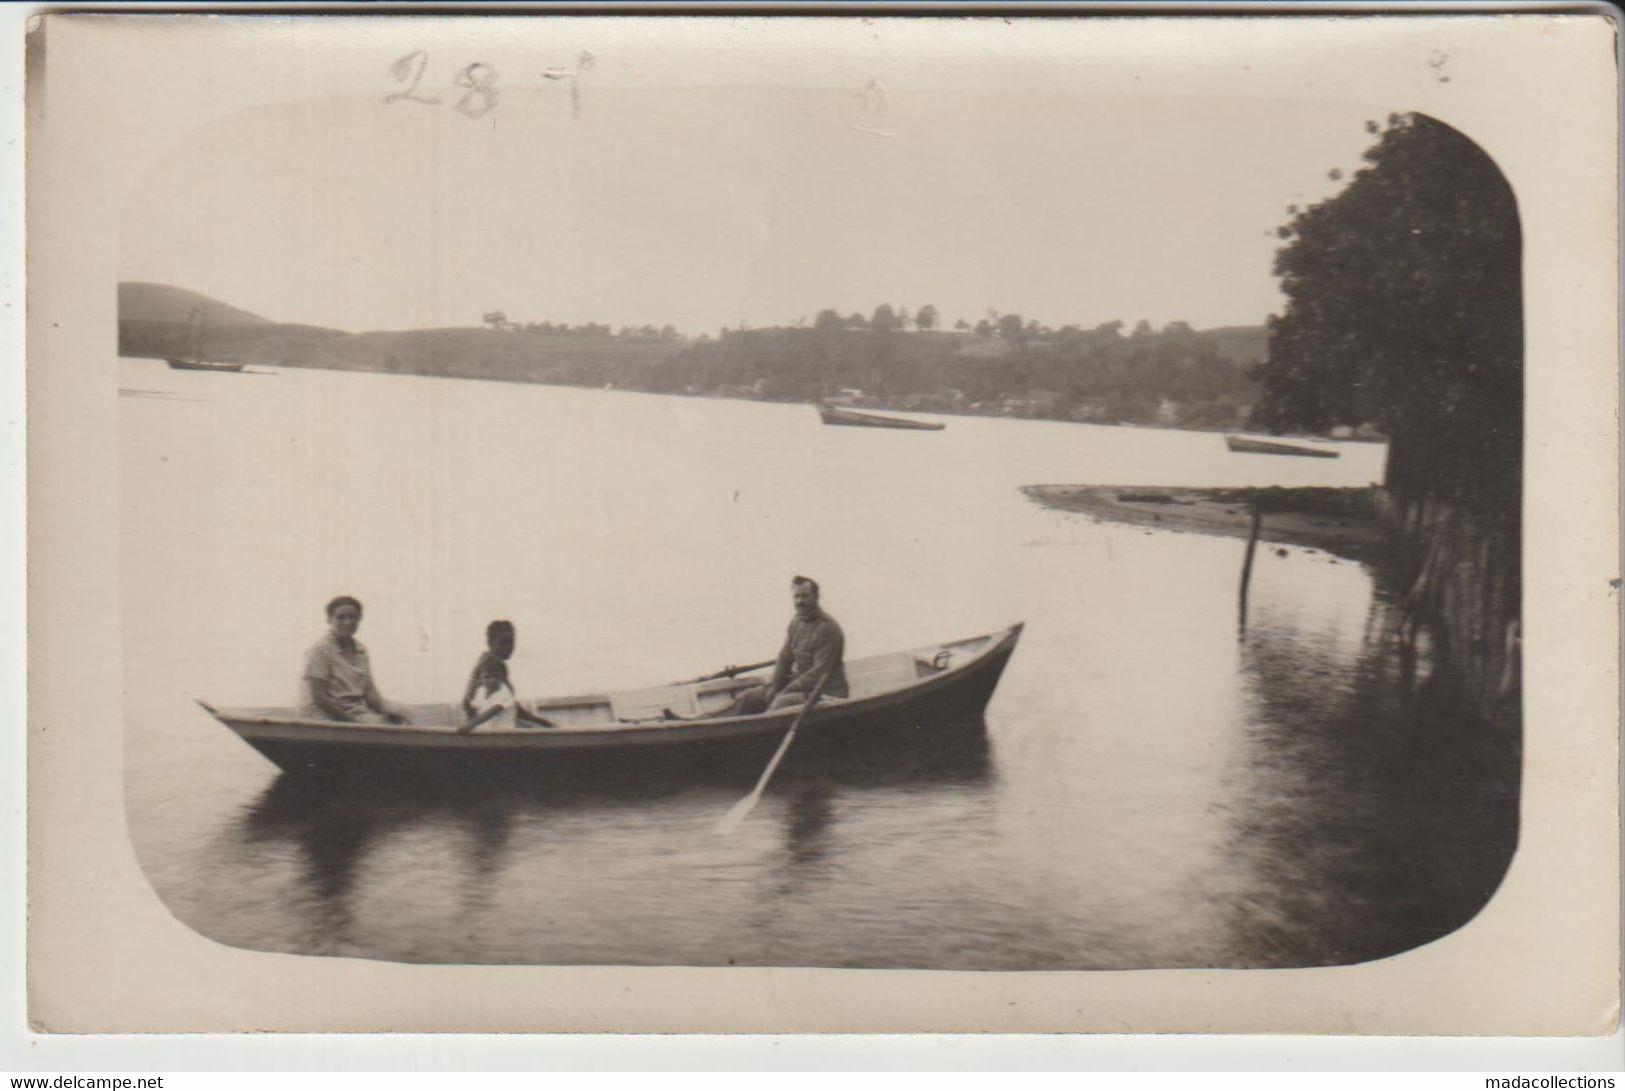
{"x":488,"y":697}
{"x":337,"y":682}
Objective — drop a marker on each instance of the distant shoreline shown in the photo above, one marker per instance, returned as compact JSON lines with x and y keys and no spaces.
{"x":886,"y":404}
{"x":1176,"y":377}
{"x":1339,"y":521}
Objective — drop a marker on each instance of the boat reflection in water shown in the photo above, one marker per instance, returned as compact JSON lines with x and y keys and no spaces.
{"x":510,"y":866}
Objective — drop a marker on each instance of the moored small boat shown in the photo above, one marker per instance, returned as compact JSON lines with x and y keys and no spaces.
{"x":832,"y":414}
{"x":1280,"y":445}
{"x":194,"y":360}
{"x":910,"y":690}
{"x":181,"y":363}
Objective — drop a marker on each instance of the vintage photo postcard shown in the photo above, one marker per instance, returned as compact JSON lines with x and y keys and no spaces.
{"x":849,"y":524}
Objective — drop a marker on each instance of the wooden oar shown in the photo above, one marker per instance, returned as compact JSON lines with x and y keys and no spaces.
{"x":728,"y":672}
{"x":736,"y":814}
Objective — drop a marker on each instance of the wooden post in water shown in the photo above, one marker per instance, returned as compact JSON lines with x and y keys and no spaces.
{"x":1247,"y":568}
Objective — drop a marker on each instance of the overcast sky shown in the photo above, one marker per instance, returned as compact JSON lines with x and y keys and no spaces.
{"x":708,"y":206}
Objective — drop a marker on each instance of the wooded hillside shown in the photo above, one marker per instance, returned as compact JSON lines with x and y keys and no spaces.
{"x":1172,"y":376}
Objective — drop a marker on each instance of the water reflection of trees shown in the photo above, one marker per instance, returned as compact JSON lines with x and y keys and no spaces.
{"x":1375,"y":814}
{"x":334,"y":823}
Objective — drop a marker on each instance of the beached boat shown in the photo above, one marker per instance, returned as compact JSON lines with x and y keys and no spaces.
{"x":832,"y":414}
{"x":1281,"y":445}
{"x":909,"y":691}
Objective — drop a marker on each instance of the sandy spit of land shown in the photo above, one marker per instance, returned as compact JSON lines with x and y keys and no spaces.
{"x":1338,"y":521}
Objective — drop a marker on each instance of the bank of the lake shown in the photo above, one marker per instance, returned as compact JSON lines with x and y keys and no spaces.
{"x":1340,"y":521}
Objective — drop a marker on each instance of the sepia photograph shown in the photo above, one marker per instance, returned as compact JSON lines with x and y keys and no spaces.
{"x":845,"y":494}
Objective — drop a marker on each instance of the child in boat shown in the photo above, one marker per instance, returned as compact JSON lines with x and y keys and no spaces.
{"x":488,"y":697}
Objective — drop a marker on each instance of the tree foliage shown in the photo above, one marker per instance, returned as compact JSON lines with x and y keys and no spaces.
{"x":1404,"y":309}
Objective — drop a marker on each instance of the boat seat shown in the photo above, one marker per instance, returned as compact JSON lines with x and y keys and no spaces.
{"x":879,"y":673}
{"x":573,"y":712}
{"x":651,"y":704}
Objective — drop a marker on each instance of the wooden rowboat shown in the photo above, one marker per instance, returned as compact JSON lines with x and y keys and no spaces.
{"x":1280,"y":445}
{"x":835,"y":415}
{"x":193,"y":360}
{"x":181,"y":363}
{"x":909,"y":690}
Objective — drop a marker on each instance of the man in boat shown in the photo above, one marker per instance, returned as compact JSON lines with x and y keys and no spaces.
{"x":813,"y":647}
{"x":489,"y":697}
{"x":337,"y":682}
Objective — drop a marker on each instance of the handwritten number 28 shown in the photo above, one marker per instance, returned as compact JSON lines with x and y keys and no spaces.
{"x":478,"y":81}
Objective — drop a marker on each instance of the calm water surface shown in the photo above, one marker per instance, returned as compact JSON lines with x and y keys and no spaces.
{"x":1146,"y":790}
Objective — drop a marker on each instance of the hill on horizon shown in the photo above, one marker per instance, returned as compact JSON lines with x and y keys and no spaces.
{"x":155,"y":322}
{"x":142,"y":301}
